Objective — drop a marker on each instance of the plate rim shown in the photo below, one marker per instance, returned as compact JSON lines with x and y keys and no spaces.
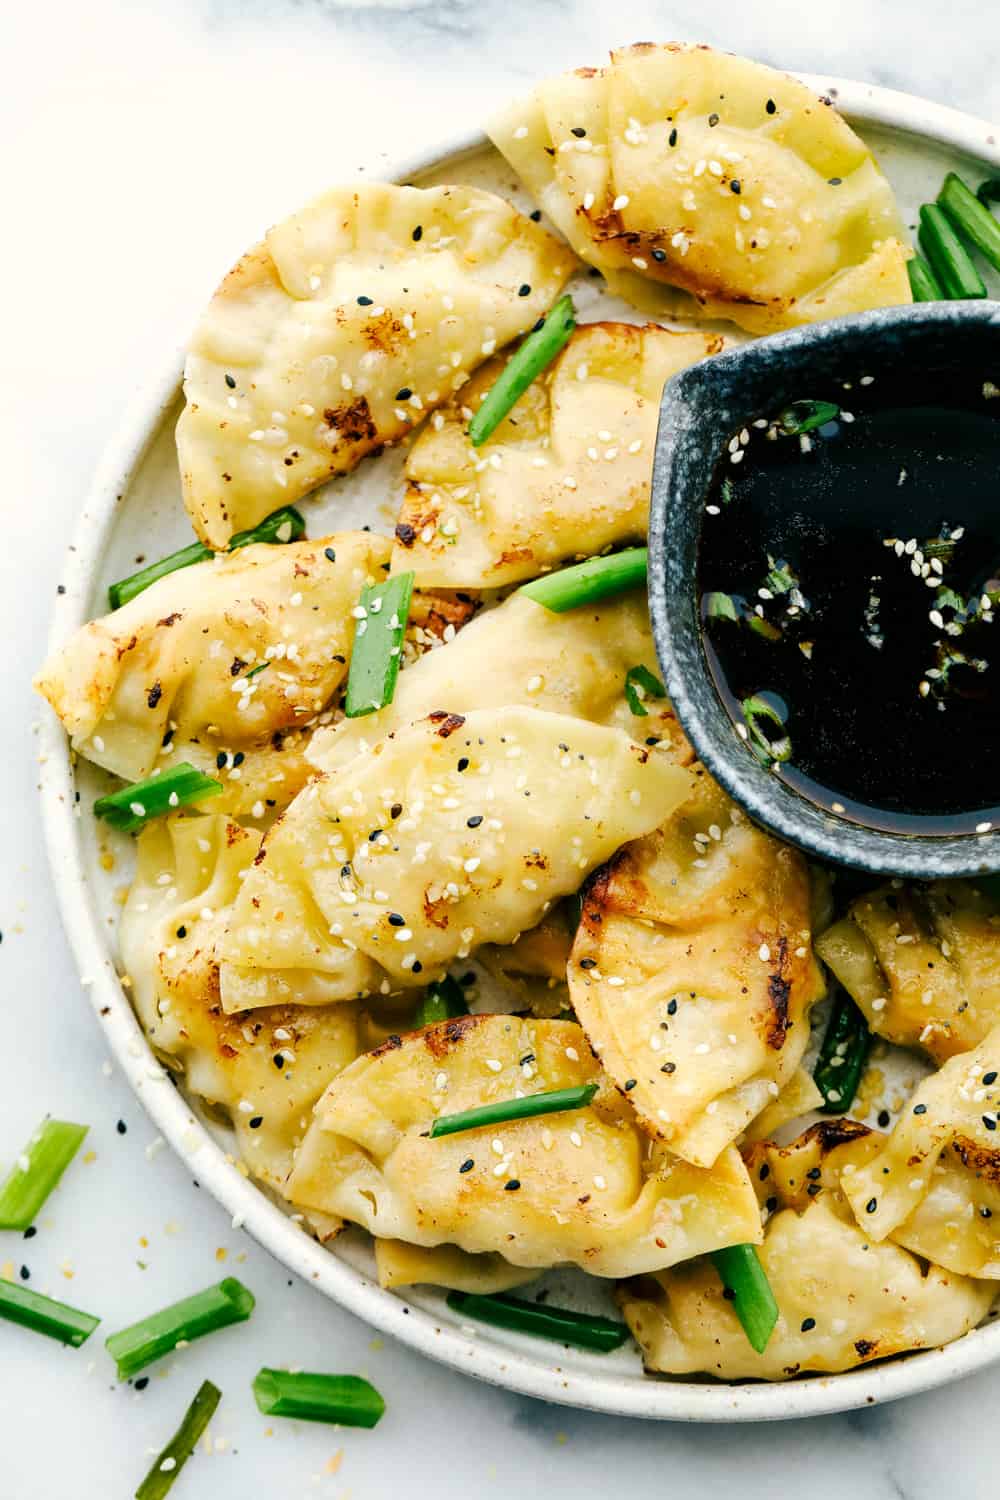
{"x":487,"y":1357}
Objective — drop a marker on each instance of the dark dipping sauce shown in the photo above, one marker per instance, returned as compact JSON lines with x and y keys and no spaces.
{"x":877,"y":692}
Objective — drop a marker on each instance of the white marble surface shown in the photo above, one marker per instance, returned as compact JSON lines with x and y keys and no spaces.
{"x":144,"y":145}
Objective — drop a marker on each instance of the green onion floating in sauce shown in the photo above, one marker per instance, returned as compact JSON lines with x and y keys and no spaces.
{"x":347,"y":1400}
{"x":741,"y":1273}
{"x":947,"y":256}
{"x":169,"y":1462}
{"x":382,"y":613}
{"x":842,"y":1056}
{"x":804,"y":416}
{"x":589,"y":581}
{"x":641,"y":683}
{"x":137,"y":1346}
{"x":44,"y":1315}
{"x":989,"y":191}
{"x":443,"y":1001}
{"x":132,"y":806}
{"x":970,"y":218}
{"x":285,"y":525}
{"x":37,"y":1171}
{"x":720,"y":606}
{"x":582,"y":1330}
{"x":538,"y":350}
{"x":506,"y":1110}
{"x":923,"y":283}
{"x":754,"y":709}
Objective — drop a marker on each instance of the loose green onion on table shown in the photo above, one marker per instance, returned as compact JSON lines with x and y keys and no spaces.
{"x":804,"y":416}
{"x":524,"y":366}
{"x":947,"y":256}
{"x":589,"y":581}
{"x":641,"y":683}
{"x":923,"y":283}
{"x":842,"y":1055}
{"x":132,"y":806}
{"x":378,"y":645}
{"x":515,"y":1109}
{"x":741,"y":1273}
{"x":754,"y":709}
{"x":37,"y":1171}
{"x":443,"y":1001}
{"x":347,"y":1400}
{"x":285,"y":525}
{"x":582,"y":1330}
{"x":151,"y":1338}
{"x":170,"y":1460}
{"x":971,"y":218}
{"x":44,"y":1315}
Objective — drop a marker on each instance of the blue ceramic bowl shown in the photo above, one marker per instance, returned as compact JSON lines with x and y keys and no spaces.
{"x":700,"y":409}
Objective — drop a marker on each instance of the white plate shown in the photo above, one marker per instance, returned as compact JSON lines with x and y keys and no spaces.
{"x":134,"y":507}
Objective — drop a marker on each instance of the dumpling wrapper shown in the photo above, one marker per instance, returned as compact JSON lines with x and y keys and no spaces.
{"x":533,"y":968}
{"x":591,"y":1191}
{"x":566,"y":474}
{"x":922,"y":962}
{"x":693,"y":974}
{"x":710,"y":175}
{"x":400,"y":1264}
{"x":455,"y":832}
{"x":297,"y":368}
{"x":166,"y":678}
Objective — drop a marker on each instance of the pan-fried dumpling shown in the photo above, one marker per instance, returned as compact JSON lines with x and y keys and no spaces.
{"x":681,"y":167}
{"x":922,"y":962}
{"x":934,"y":1187}
{"x":799,"y":1097}
{"x":582,"y":1186}
{"x":264,"y":1070}
{"x":454,"y":832}
{"x":566,"y":473}
{"x":533,"y":967}
{"x":333,"y":336}
{"x":400,"y":1264}
{"x":843,"y":1299}
{"x":693,"y":975}
{"x":223,"y":664}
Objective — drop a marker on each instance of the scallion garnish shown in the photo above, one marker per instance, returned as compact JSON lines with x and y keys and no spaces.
{"x":378,"y":645}
{"x":347,"y":1400}
{"x":924,"y":285}
{"x":721,"y":607}
{"x":842,"y":1056}
{"x":754,"y":709}
{"x":524,"y":366}
{"x":589,"y":581}
{"x":582,"y":1330}
{"x":37,"y":1171}
{"x":149,"y":1339}
{"x":947,"y":256}
{"x":515,"y":1109}
{"x":44,"y":1315}
{"x":134,"y":805}
{"x":443,"y":1001}
{"x":169,"y":1462}
{"x":804,"y":416}
{"x":971,"y":218}
{"x":741,"y":1273}
{"x":641,"y":683}
{"x":285,"y":525}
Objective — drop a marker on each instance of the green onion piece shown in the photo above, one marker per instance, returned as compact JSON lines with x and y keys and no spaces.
{"x":970,"y":218}
{"x":134,"y":805}
{"x":515,"y":1109}
{"x":525,"y":365}
{"x":842,"y":1056}
{"x":37,"y":1171}
{"x":285,"y":525}
{"x":444,"y":1000}
{"x":947,"y":256}
{"x":989,"y":191}
{"x":44,"y":1315}
{"x":216,"y":1307}
{"x":720,"y":607}
{"x":923,"y":283}
{"x":346,"y":1399}
{"x":256,"y":671}
{"x":764,"y":628}
{"x":589,"y":581}
{"x":640,"y":682}
{"x":170,"y":1460}
{"x":742,"y":1274}
{"x":756,"y":708}
{"x":582,"y":1330}
{"x":804,"y":416}
{"x":378,"y":645}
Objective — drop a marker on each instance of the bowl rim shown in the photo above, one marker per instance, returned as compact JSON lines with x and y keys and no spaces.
{"x":512,"y":1362}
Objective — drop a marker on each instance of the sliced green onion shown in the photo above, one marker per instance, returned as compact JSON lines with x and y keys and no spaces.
{"x":640,"y":683}
{"x":741,"y":1273}
{"x":842,"y":1056}
{"x":765,"y":628}
{"x":346,"y":1399}
{"x":754,"y":709}
{"x":970,"y":218}
{"x":216,"y":1307}
{"x":923,"y":283}
{"x":947,"y":256}
{"x":515,"y":1109}
{"x":378,"y":645}
{"x":44,"y":1315}
{"x":132,"y":806}
{"x":37,"y":1171}
{"x":524,"y":366}
{"x":779,"y":577}
{"x":444,"y":1000}
{"x":589,"y":581}
{"x":989,"y":191}
{"x":582,"y":1330}
{"x":256,"y":671}
{"x":803,"y":416}
{"x":285,"y":525}
{"x":720,"y":607}
{"x":169,"y":1462}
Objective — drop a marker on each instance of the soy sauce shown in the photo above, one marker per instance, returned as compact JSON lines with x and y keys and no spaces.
{"x":849,"y":576}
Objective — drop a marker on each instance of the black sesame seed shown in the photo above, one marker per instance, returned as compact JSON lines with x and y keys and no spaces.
{"x":672,"y":1008}
{"x":278,"y":1060}
{"x":871,"y":1205}
{"x":729,"y":1294}
{"x":182,"y":931}
{"x":418,"y":967}
{"x":395,"y":810}
{"x":884,"y":1117}
{"x":985,"y":1213}
{"x":30,"y":1232}
{"x":467,"y":1165}
{"x":463,"y":764}
{"x":474,"y":821}
{"x":765,"y":1172}
{"x":989,"y":1122}
{"x":989,"y":1078}
{"x":672,"y":137}
{"x":256,"y":1122}
{"x":734,"y":186}
{"x":25,"y":1274}
{"x":376,"y":833}
{"x":920,"y":1109}
{"x":418,"y":233}
{"x":239,"y":758}
{"x":807,"y":1325}
{"x":364,"y":301}
{"x":813,"y":1174}
{"x":220,"y":760}
{"x":231,"y":382}
{"x":770,"y":106}
{"x":404,"y":393}
{"x":668,"y":1067}
{"x":538,"y":325}
{"x":395,"y":920}
{"x":529,"y":1057}
{"x":329,"y":554}
{"x":121,"y":1127}
{"x":630,"y":1084}
{"x":713,"y":120}
{"x":659,"y":255}
{"x":511,"y":1186}
{"x":588,"y":963}
{"x":141,"y":1383}
{"x":536,"y":216}
{"x":771,"y":1204}
{"x":524,"y":290}
{"x":579,"y":132}
{"x":835,"y":181}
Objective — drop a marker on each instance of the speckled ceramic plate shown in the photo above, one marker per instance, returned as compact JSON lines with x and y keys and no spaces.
{"x":134,"y":506}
